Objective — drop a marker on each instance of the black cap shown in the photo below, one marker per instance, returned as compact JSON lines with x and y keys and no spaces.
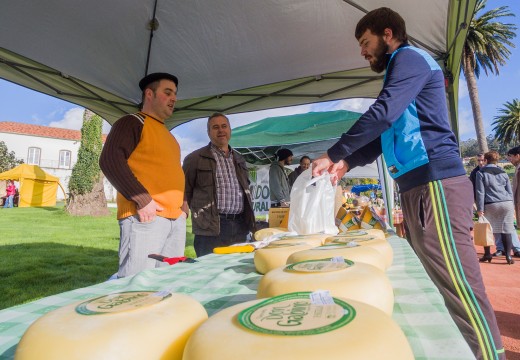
{"x":283,"y":154}
{"x":150,"y":78}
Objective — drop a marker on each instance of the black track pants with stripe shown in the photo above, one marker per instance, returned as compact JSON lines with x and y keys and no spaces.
{"x":439,"y":218}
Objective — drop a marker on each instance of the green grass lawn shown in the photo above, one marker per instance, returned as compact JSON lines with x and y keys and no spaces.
{"x":44,"y":251}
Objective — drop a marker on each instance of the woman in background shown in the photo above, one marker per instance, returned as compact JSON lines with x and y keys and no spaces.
{"x":10,"y":191}
{"x":494,"y":198}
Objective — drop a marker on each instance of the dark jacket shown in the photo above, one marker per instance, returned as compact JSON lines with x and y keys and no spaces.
{"x":294,"y":175}
{"x":201,"y":191}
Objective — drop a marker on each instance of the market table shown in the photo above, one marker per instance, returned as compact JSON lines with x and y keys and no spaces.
{"x":220,"y":281}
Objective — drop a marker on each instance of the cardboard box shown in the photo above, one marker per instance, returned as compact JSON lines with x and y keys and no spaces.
{"x":277,"y":216}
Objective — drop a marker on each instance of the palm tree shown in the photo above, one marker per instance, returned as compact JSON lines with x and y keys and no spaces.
{"x":486,"y":48}
{"x":507,"y":125}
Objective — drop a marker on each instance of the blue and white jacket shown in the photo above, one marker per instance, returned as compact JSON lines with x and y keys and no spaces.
{"x":408,"y":123}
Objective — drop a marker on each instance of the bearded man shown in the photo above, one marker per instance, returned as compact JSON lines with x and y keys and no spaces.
{"x":408,"y":124}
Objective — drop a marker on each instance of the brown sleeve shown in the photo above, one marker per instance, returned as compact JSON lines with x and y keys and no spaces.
{"x":119,"y":145}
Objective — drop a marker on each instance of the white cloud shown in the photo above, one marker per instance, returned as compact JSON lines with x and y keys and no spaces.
{"x":466,"y":124}
{"x":463,"y":88}
{"x":73,"y":119}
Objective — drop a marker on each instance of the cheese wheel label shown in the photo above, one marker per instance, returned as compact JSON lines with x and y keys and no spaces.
{"x":346,"y":240}
{"x":119,"y":302}
{"x":335,"y":246}
{"x":275,"y":245}
{"x":295,"y":237}
{"x":294,"y":314}
{"x":353,"y":233}
{"x":314,"y":266}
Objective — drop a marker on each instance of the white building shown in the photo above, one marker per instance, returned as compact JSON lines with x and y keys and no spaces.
{"x":55,"y":150}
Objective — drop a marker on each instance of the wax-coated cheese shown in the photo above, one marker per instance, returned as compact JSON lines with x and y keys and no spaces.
{"x":376,"y":241}
{"x":356,"y":253}
{"x":363,"y":233}
{"x":291,"y":327}
{"x":129,"y":325}
{"x":275,"y":255}
{"x":264,"y":233}
{"x":311,"y":239}
{"x":356,"y":281}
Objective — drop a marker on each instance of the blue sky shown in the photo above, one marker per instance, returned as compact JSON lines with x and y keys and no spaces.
{"x":23,"y":105}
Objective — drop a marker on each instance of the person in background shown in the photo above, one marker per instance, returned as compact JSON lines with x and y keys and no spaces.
{"x":513,"y":155}
{"x":279,"y":188}
{"x":409,"y":124}
{"x":142,"y":159}
{"x":481,"y":162}
{"x":473,"y":174}
{"x":495,"y":201}
{"x":217,"y":191}
{"x":10,"y":192}
{"x":305,"y":163}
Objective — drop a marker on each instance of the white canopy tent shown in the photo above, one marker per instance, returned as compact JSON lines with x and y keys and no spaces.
{"x":230,"y":55}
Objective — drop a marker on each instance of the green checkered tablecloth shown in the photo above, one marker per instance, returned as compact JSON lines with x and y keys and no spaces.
{"x":220,"y":281}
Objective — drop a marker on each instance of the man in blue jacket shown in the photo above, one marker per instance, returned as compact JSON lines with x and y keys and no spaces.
{"x":408,"y":124}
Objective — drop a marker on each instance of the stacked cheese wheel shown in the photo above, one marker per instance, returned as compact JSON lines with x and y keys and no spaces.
{"x":264,"y":233}
{"x":372,"y":238}
{"x":356,"y":253}
{"x":291,"y":327}
{"x":345,"y":279}
{"x":276,"y":254}
{"x":129,"y":325}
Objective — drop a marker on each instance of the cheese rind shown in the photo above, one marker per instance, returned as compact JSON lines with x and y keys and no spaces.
{"x":264,"y":233}
{"x":363,"y":254}
{"x":311,"y":239}
{"x":376,"y":242}
{"x":275,"y":254}
{"x":129,"y":325}
{"x":290,"y":327}
{"x":350,"y":280}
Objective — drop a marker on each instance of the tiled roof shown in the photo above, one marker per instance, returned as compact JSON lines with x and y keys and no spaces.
{"x":39,"y":130}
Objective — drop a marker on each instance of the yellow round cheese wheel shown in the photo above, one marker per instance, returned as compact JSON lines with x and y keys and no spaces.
{"x":364,"y":233}
{"x":291,"y":327}
{"x":264,"y":233}
{"x":377,"y":243}
{"x":275,"y":255}
{"x":356,"y":253}
{"x":311,"y":239}
{"x":356,"y":281}
{"x":127,"y":325}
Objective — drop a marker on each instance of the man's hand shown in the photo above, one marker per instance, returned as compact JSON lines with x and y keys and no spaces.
{"x":323,"y":163}
{"x":338,"y":170}
{"x":185,"y":208}
{"x":148,"y":213}
{"x":480,"y":213}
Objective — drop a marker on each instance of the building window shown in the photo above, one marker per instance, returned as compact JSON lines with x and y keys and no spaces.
{"x":33,"y":157}
{"x":64,"y":159}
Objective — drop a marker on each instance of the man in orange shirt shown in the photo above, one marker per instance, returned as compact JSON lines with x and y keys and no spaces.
{"x":141,"y":158}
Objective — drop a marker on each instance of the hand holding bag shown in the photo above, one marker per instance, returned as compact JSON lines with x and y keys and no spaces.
{"x":312,"y":205}
{"x":483,"y":232}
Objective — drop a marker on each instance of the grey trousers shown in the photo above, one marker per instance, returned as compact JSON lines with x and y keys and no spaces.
{"x":162,"y":236}
{"x":439,"y":218}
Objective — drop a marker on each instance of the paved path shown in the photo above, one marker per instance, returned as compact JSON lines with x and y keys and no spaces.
{"x":503,"y":288}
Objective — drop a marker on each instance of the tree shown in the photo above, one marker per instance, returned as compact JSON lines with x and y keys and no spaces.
{"x":469,"y":148}
{"x":507,"y":125}
{"x":86,"y":190}
{"x":486,"y":48}
{"x":7,"y":158}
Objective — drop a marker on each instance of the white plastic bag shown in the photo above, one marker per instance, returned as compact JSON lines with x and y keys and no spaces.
{"x":312,"y":205}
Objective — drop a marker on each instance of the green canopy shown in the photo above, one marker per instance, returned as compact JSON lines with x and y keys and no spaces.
{"x":308,"y":134}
